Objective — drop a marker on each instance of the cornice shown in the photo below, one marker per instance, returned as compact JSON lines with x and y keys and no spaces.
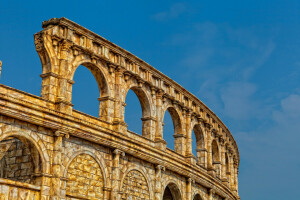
{"x":43,"y":116}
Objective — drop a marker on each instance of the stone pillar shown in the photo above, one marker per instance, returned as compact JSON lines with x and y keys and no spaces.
{"x":202,"y":157}
{"x":189,"y":188}
{"x":149,"y":127}
{"x":223,"y":163}
{"x":158,"y":192}
{"x":115,"y":179}
{"x":106,"y":110}
{"x":160,"y":142}
{"x":210,"y":167}
{"x":64,"y":93}
{"x":57,"y":164}
{"x":211,"y":193}
{"x":188,"y":129}
{"x":236,"y":172}
{"x":49,"y":86}
{"x":118,"y":121}
{"x":231,"y":172}
{"x":180,"y":143}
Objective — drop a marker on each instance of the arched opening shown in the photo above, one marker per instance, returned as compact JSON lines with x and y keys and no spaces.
{"x":172,"y":127}
{"x":138,"y":118}
{"x":135,"y":186}
{"x":88,"y":98}
{"x":171,"y":192}
{"x":198,"y":145}
{"x":20,"y":161}
{"x":85,"y":92}
{"x":84,"y":179}
{"x":197,"y":197}
{"x":216,"y":157}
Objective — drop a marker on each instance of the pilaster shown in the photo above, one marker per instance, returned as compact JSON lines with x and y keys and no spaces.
{"x":115,"y":179}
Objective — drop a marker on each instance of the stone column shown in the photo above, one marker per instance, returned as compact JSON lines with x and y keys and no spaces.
{"x":211,"y":193}
{"x":64,"y":91}
{"x":119,"y":107}
{"x":115,"y":179}
{"x":231,"y":167}
{"x":189,"y":188}
{"x":223,"y":162}
{"x":149,"y":127}
{"x":160,"y":142}
{"x":236,"y":172}
{"x":158,"y":192}
{"x":106,"y":111}
{"x":57,"y":164}
{"x":202,"y":157}
{"x":210,"y":167}
{"x":189,"y":155}
{"x":49,"y":86}
{"x":180,"y":143}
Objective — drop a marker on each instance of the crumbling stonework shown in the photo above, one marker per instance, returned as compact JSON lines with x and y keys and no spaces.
{"x":48,"y":150}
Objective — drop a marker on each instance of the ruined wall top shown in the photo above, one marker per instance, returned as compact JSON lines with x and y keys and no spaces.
{"x":78,"y":38}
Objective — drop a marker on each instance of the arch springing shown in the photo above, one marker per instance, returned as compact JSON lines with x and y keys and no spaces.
{"x":20,"y":160}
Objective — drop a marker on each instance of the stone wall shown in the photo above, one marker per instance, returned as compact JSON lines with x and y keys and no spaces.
{"x":84,"y":178}
{"x":51,"y":151}
{"x":17,"y":162}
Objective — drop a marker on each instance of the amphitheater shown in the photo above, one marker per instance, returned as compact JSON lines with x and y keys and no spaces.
{"x":48,"y":150}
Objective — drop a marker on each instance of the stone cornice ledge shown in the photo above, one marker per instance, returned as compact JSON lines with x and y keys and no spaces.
{"x":11,"y":107}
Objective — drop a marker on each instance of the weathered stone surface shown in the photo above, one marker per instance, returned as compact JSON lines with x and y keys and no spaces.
{"x":48,"y":150}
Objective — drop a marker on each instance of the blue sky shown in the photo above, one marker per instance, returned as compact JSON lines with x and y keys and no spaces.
{"x":241,"y":58}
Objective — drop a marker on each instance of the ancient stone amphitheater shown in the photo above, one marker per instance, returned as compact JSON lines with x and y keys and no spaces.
{"x":48,"y":150}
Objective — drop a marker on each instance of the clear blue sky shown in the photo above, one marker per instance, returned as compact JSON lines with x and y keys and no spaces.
{"x":241,"y":58}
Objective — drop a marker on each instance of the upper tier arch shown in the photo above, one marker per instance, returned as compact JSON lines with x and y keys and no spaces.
{"x":62,"y":42}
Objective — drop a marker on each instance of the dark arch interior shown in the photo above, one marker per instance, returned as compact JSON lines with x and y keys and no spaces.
{"x":171,"y":192}
{"x":215,"y":152}
{"x":85,"y":92}
{"x":20,"y":161}
{"x":197,"y":197}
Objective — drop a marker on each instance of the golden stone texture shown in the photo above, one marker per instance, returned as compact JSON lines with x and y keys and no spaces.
{"x":48,"y":150}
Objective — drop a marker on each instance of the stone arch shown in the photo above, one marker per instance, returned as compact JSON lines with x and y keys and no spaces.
{"x":85,"y":177}
{"x":135,"y":184}
{"x":176,"y":118}
{"x":178,"y":128}
{"x":171,"y":192}
{"x":28,"y":155}
{"x":145,"y":102}
{"x":197,"y":197}
{"x":96,"y":155}
{"x":103,"y":80}
{"x":200,"y":145}
{"x":96,"y":69}
{"x":216,"y":158}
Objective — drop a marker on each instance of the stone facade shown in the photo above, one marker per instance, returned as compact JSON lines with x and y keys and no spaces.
{"x":48,"y":150}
